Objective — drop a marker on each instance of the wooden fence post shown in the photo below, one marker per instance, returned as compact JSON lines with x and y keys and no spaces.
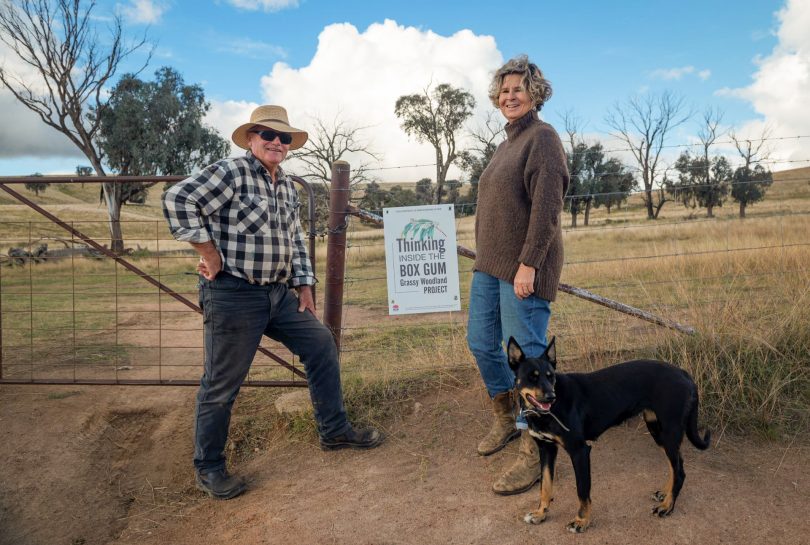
{"x":336,"y":248}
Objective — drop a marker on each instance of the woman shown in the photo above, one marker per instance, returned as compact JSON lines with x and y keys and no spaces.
{"x":519,"y":254}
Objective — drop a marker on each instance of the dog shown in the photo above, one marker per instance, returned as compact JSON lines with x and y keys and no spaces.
{"x":568,"y":410}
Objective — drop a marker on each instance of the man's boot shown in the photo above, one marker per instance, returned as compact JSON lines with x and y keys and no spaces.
{"x":524,"y":472}
{"x":503,"y":427}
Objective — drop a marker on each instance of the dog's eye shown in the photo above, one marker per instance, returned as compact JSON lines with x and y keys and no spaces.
{"x":548,"y":374}
{"x":536,"y":373}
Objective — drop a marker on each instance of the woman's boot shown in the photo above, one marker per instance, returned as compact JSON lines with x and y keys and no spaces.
{"x":524,"y":472}
{"x":503,"y":427}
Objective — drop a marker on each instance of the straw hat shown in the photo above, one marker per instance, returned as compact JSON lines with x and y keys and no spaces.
{"x":272,"y":117}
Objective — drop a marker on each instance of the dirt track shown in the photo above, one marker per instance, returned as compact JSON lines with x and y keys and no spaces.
{"x":111,"y":465}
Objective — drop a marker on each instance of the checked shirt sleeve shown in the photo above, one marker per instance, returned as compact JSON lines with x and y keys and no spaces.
{"x":302,"y":273}
{"x":185,"y":203}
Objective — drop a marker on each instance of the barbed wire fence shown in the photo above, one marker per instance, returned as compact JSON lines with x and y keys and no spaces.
{"x":72,"y":315}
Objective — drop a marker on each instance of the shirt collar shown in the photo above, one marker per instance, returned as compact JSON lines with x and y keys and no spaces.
{"x":260,"y":168}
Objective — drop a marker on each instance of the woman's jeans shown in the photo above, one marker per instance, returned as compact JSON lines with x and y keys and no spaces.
{"x":495,"y":315}
{"x":235,"y":316}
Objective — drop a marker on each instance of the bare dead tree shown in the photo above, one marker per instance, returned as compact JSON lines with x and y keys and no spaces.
{"x":709,"y":133}
{"x":644,"y":123}
{"x":751,"y":180}
{"x":485,"y":140}
{"x":56,"y":39}
{"x":753,"y":151}
{"x":331,"y":142}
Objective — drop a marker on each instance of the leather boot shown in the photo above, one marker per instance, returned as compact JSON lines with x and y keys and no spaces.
{"x":503,"y":426}
{"x":524,"y":472}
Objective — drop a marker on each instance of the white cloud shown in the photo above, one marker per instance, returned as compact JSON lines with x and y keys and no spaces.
{"x":780,"y":91}
{"x":358,"y":76}
{"x":265,"y":5}
{"x":143,"y":11}
{"x":24,"y":134}
{"x":678,"y":73}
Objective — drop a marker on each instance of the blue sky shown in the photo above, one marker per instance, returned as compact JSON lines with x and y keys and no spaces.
{"x":350,"y":60}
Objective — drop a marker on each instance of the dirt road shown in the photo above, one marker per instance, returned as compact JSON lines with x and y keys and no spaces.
{"x":111,"y":465}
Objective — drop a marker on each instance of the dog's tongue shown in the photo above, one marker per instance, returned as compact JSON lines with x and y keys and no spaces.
{"x":538,"y":404}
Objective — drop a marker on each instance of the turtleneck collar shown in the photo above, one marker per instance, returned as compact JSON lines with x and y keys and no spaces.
{"x":516,"y":127}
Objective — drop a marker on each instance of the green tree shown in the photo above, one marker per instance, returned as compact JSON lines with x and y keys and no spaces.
{"x":155,"y":128}
{"x":693,"y":188}
{"x":73,"y":66}
{"x":750,"y":185}
{"x":614,"y":186}
{"x":424,"y":190}
{"x":577,"y":196}
{"x":373,"y":198}
{"x":436,"y":117}
{"x":38,"y":185}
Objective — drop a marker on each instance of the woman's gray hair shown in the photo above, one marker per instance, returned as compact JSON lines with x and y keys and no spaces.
{"x":539,"y":88}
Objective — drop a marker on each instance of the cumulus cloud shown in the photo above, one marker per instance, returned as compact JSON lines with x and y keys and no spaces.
{"x":679,"y":73}
{"x":357,"y":76}
{"x":780,"y":91}
{"x":265,"y":5}
{"x":24,"y":133}
{"x":143,"y":11}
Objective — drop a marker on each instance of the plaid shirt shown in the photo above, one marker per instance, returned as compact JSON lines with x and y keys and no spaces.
{"x":254,"y":224}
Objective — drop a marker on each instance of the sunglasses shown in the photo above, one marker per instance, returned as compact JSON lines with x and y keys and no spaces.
{"x":270,"y":135}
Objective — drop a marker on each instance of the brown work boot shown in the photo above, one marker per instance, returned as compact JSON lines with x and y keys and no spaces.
{"x":524,"y":472}
{"x":503,"y":427}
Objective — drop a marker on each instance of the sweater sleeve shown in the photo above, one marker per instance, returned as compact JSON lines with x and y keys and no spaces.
{"x":546,"y":180}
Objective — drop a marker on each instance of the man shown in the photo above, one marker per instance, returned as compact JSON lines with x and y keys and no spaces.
{"x":241,"y":216}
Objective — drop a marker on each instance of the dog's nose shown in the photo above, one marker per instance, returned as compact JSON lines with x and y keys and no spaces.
{"x":550,"y":397}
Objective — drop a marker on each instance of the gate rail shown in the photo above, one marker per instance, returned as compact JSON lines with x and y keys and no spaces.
{"x":5,"y":181}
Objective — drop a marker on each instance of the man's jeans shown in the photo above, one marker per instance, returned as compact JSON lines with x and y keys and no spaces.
{"x":495,"y":315}
{"x":235,"y":316}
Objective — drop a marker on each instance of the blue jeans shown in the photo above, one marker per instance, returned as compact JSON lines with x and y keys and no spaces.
{"x":495,"y":315}
{"x":235,"y":316}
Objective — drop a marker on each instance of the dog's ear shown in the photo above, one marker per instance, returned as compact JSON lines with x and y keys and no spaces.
{"x":515,"y":353}
{"x":551,"y":352}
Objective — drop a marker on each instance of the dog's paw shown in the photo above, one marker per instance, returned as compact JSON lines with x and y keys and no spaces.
{"x":577,"y":526}
{"x":534,"y":517}
{"x":662,"y":510}
{"x":658,"y":496}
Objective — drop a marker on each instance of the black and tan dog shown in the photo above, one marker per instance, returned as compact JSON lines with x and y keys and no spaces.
{"x":568,"y":410}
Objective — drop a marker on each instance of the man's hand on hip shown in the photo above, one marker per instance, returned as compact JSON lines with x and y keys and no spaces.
{"x":210,"y":261}
{"x":305,"y":300}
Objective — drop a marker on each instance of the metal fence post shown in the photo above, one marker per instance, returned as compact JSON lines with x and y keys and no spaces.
{"x":336,"y":248}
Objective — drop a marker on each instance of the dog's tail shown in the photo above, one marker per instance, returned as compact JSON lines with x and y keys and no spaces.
{"x":701,"y":443}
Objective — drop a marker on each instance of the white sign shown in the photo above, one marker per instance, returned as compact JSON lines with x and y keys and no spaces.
{"x":421,"y":258}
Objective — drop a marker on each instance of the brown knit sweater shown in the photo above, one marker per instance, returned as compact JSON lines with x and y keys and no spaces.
{"x":520,"y":199}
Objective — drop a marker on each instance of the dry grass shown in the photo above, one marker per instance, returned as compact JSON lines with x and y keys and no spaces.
{"x":741,"y":283}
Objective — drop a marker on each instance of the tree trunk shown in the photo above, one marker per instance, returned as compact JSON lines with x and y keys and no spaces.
{"x":710,"y":211}
{"x":651,"y":215}
{"x":742,"y":209}
{"x":573,"y":219}
{"x":587,"y":212}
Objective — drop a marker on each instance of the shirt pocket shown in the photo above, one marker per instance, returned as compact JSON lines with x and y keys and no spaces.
{"x":291,"y":211}
{"x":252,"y":216}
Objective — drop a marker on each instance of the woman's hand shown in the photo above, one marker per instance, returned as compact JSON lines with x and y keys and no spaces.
{"x":524,"y":281}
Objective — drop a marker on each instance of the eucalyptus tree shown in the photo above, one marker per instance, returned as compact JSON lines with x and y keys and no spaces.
{"x":436,"y":116}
